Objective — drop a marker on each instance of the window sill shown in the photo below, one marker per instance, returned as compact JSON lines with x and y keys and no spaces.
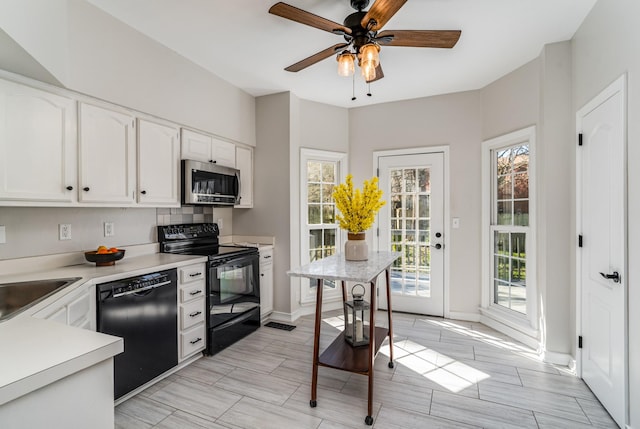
{"x":517,"y":327}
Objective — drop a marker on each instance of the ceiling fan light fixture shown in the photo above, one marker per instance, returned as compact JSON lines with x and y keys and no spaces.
{"x":346,"y":64}
{"x":368,"y":70}
{"x":369,"y":53}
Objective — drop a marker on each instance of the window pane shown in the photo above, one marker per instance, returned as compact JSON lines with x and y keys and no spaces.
{"x":503,"y":163}
{"x":396,"y":181}
{"x":410,"y":225}
{"x":518,"y":299}
{"x":329,"y":242}
{"x":315,"y":244}
{"x":328,"y":172}
{"x":518,"y":245}
{"x":518,"y":272}
{"x":314,"y":214}
{"x":313,"y":193}
{"x":501,"y":269}
{"x":327,"y":191}
{"x":521,"y":213}
{"x":504,"y":213}
{"x":521,"y":158}
{"x":410,"y":180}
{"x":423,"y":180}
{"x":313,"y":171}
{"x":501,"y":243}
{"x":501,"y":293}
{"x":409,"y":205}
{"x":396,"y":206}
{"x":520,"y":186}
{"x":423,"y":208}
{"x":328,"y":213}
{"x":504,"y":187}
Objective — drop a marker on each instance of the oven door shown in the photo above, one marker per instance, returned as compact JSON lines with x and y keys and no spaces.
{"x":234,"y":287}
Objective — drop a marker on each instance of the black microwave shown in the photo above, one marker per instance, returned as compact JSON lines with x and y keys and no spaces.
{"x":206,"y":183}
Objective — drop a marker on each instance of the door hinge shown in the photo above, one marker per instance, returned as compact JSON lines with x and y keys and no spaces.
{"x":377,"y":172}
{"x":377,"y":232}
{"x":579,"y":240}
{"x":580,"y":139}
{"x":579,"y":341}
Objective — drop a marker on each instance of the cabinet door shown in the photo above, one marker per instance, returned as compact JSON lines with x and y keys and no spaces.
{"x":158,"y":164}
{"x":266,"y":290}
{"x":38,"y":145}
{"x":196,"y":146}
{"x":223,"y":153}
{"x":244,"y":163}
{"x":107,"y":156}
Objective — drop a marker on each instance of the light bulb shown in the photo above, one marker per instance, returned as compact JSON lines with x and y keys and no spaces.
{"x":346,"y":65}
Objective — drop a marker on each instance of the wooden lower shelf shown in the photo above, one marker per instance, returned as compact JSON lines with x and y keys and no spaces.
{"x":341,"y":355}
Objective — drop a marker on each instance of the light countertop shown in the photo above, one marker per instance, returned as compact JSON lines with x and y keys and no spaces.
{"x":337,"y":268}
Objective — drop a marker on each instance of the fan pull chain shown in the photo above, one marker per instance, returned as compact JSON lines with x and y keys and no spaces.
{"x":369,"y":90}
{"x":353,"y":87}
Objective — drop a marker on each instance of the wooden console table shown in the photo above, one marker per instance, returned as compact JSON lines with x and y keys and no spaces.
{"x":340,"y":354}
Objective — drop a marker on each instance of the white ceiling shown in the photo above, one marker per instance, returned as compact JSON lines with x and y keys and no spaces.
{"x":239,"y":41}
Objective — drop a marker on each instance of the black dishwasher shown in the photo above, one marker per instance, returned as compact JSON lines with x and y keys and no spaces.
{"x":143,"y":310}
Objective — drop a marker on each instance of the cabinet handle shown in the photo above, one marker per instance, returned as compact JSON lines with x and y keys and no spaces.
{"x":195,"y":274}
{"x":195,"y":292}
{"x":143,"y":192}
{"x":69,"y":188}
{"x":213,"y":161}
{"x":197,"y":340}
{"x":195,"y":313}
{"x":267,"y":257}
{"x":86,"y":189}
{"x":261,"y":275}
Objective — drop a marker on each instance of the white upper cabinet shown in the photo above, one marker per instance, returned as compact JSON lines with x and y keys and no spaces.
{"x":244,"y":163}
{"x":107,"y":156}
{"x":158,"y":164}
{"x":38,"y":147}
{"x":205,"y":148}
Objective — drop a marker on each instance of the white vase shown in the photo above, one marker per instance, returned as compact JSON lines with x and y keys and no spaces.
{"x":356,"y":248}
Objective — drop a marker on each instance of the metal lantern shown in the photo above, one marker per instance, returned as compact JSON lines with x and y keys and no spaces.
{"x":356,"y":319}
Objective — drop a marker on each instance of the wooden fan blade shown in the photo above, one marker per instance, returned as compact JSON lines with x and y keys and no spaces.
{"x":421,"y":38}
{"x":381,"y":12}
{"x":316,"y":58}
{"x":379,"y":74}
{"x":303,"y":17}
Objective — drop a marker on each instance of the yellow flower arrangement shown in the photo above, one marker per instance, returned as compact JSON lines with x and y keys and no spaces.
{"x":357,"y":208}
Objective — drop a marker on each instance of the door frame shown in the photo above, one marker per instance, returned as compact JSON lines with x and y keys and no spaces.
{"x":446,"y":206}
{"x":619,"y":85}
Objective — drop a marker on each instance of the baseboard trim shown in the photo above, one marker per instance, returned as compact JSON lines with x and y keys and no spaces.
{"x":468,"y":317}
{"x":279,"y":316}
{"x":513,"y":333}
{"x":564,"y":359}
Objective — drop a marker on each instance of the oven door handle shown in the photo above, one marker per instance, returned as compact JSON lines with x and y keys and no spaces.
{"x":248,"y":315}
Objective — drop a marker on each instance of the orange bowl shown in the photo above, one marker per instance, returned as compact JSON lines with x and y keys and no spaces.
{"x":104,"y":259}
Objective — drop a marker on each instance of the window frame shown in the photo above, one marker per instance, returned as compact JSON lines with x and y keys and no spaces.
{"x":524,"y":323}
{"x":307,"y":287}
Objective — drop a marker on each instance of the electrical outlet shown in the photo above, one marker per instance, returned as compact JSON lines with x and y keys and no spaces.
{"x":64,"y":231}
{"x":109,"y":229}
{"x":3,"y":235}
{"x":220,"y":226}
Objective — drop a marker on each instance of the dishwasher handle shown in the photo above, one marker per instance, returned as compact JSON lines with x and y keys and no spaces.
{"x":146,"y":288}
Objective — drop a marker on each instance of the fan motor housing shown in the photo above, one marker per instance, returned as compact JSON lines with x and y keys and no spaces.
{"x":359,"y":4}
{"x":359,"y":35}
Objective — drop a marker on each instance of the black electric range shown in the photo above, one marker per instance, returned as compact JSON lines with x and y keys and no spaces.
{"x":233,"y":280}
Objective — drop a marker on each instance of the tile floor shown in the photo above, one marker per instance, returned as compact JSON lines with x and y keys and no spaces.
{"x":448,"y":374}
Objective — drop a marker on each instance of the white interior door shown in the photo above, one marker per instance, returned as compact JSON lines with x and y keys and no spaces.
{"x":601,"y":216}
{"x":412,"y":222}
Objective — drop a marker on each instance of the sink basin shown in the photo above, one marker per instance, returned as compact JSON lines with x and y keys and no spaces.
{"x":17,"y":297}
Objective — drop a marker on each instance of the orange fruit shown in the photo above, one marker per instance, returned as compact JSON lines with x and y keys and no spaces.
{"x":113,"y":250}
{"x":102,"y":248}
{"x":103,"y":251}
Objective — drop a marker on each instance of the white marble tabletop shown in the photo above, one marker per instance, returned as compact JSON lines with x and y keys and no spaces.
{"x":337,"y":268}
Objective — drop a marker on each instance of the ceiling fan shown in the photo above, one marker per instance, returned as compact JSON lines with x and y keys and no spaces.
{"x":363,"y":39}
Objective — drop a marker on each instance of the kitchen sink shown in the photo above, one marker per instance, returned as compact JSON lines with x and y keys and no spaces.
{"x":17,"y":297}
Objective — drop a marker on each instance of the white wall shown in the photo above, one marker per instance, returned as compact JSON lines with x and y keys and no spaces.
{"x":604,"y":47}
{"x":454,"y":120}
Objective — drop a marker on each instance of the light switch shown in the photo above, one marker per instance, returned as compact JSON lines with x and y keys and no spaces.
{"x":3,"y":235}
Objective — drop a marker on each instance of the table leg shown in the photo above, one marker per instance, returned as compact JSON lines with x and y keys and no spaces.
{"x":388,"y":274}
{"x":316,"y":343}
{"x":344,"y":290}
{"x":372,"y":347}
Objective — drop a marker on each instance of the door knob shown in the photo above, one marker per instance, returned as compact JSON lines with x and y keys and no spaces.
{"x":69,"y":188}
{"x":437,"y":246}
{"x":438,"y":235}
{"x":86,"y":189}
{"x":615,"y":276}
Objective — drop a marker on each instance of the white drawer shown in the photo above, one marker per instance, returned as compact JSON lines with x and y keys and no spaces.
{"x":192,"y":341}
{"x":191,"y":313}
{"x":191,"y":273}
{"x":191,"y":292}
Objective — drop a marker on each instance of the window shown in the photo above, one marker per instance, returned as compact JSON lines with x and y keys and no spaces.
{"x":508,"y":236}
{"x":320,"y":235}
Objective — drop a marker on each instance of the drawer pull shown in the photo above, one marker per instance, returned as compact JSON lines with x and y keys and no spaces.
{"x":195,"y":313}
{"x":195,"y":274}
{"x":195,"y":292}
{"x":197,"y":340}
{"x":267,"y":257}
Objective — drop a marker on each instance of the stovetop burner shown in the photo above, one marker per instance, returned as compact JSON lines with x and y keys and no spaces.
{"x":197,"y":239}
